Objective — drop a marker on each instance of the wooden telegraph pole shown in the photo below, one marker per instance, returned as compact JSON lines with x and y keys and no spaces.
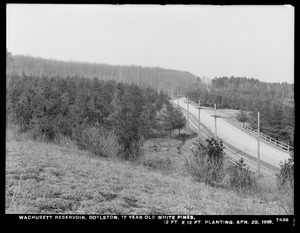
{"x":258,"y":143}
{"x":199,"y":107}
{"x":199,"y":121}
{"x":188,"y":114}
{"x":215,"y":116}
{"x":178,"y":96}
{"x":215,"y":106}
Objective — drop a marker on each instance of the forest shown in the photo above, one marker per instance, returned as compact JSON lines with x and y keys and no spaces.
{"x":76,"y":108}
{"x":155,"y":77}
{"x":274,"y":101}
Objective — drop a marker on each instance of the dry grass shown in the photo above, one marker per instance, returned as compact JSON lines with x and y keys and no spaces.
{"x":65,"y":141}
{"x":43,"y":178}
{"x":282,"y":198}
{"x":13,"y":133}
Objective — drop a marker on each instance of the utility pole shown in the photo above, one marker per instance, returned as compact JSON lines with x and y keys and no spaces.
{"x":199,"y":107}
{"x":215,"y":105}
{"x":258,"y":143}
{"x":199,"y":121}
{"x":215,"y":116}
{"x":188,"y":112}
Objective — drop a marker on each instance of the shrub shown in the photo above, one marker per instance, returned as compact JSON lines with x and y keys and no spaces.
{"x":241,"y":177}
{"x":285,"y":196}
{"x":286,"y":174}
{"x":99,"y":141}
{"x":285,"y":186}
{"x":205,"y":164}
{"x":136,"y":150}
{"x":43,"y":128}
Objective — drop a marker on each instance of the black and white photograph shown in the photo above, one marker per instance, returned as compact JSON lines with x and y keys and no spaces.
{"x":150,"y":112}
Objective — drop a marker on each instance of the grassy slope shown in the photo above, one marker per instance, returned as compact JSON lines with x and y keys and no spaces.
{"x":48,"y":178}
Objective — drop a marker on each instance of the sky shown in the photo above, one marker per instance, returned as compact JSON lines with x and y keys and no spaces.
{"x":206,"y":40}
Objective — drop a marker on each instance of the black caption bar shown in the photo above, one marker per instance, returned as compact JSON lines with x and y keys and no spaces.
{"x":162,"y":219}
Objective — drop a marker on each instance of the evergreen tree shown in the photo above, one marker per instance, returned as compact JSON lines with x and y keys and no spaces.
{"x":179,"y":120}
{"x":172,"y":118}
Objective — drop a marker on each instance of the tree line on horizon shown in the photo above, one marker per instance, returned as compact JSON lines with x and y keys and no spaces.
{"x":155,"y":77}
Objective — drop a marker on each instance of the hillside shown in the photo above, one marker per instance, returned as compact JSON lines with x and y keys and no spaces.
{"x":155,"y":77}
{"x":76,"y":145}
{"x":46,"y":178}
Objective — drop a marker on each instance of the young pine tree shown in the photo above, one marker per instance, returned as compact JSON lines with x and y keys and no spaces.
{"x":172,"y":118}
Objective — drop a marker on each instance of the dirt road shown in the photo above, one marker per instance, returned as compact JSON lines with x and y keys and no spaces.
{"x":236,"y":137}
